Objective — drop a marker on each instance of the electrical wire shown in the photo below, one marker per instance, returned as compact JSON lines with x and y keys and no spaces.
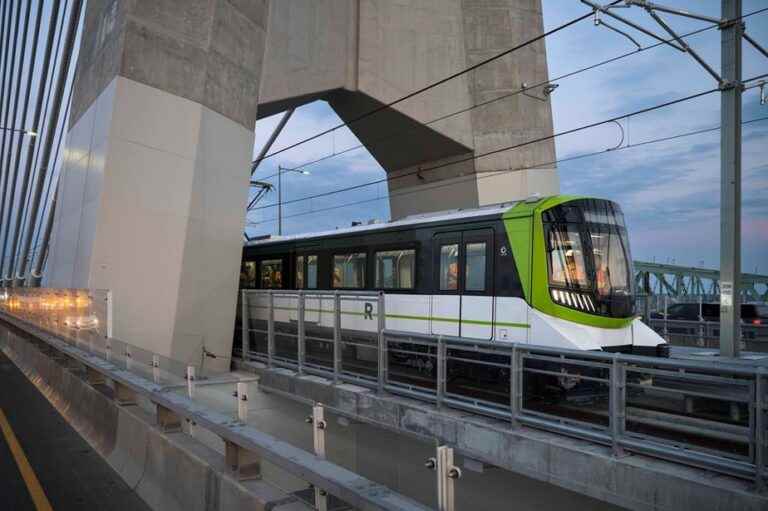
{"x":498,"y":150}
{"x":432,"y":85}
{"x":521,"y":91}
{"x":498,"y":172}
{"x":399,"y":134}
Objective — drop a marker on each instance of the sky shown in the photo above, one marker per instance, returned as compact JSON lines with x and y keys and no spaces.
{"x":669,"y":191}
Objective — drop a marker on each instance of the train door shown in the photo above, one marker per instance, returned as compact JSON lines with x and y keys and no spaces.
{"x":477,"y":284}
{"x":446,"y":298}
{"x":462,"y":302}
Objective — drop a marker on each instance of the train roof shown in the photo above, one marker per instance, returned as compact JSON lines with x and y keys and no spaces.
{"x":418,"y":219}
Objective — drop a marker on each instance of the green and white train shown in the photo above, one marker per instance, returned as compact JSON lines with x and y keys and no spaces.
{"x":554,"y":271}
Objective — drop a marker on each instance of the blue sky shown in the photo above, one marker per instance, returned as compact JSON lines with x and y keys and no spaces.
{"x":670,"y":191}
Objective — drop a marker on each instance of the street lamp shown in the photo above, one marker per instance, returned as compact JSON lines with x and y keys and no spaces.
{"x":280,"y":170}
{"x":30,"y":133}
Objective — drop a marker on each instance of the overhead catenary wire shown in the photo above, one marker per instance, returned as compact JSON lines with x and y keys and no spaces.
{"x":398,"y":134}
{"x":496,"y":173}
{"x":424,"y":170}
{"x":437,"y":83}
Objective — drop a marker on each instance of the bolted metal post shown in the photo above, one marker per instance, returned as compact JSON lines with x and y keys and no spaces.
{"x":301,"y":333}
{"x":156,"y":368}
{"x":319,"y":426}
{"x":245,"y":321}
{"x":702,"y":324}
{"x":128,"y":357}
{"x":761,"y":445}
{"x":447,"y":473}
{"x":271,"y":329}
{"x":336,"y":336}
{"x":241,"y":393}
{"x":191,"y":382}
{"x":616,"y":405}
{"x":381,"y":316}
{"x":666,"y":304}
{"x":441,"y":363}
{"x":108,"y":349}
{"x":110,"y":316}
{"x":514,"y":386}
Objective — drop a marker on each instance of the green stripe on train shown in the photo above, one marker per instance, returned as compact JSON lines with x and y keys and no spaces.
{"x":405,"y":316}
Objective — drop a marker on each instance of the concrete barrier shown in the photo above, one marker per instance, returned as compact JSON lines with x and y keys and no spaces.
{"x":169,"y":471}
{"x":634,"y":482}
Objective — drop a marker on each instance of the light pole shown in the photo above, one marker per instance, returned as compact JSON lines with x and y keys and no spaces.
{"x":30,"y":133}
{"x":280,"y":170}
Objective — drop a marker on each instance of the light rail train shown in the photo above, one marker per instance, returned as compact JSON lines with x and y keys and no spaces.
{"x":554,"y":271}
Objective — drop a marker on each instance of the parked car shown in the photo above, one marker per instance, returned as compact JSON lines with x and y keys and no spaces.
{"x":751,"y":313}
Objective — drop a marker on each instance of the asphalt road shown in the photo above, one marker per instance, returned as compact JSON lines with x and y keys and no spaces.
{"x":44,"y":463}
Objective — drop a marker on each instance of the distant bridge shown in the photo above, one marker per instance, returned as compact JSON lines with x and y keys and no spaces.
{"x":679,"y":281}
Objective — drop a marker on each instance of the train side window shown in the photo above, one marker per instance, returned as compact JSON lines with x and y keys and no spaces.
{"x":349,"y":271}
{"x":474,"y":276}
{"x":312,"y":272}
{"x":299,"y":272}
{"x":272,"y":274}
{"x":395,"y":269}
{"x":248,"y":275}
{"x":449,"y":267}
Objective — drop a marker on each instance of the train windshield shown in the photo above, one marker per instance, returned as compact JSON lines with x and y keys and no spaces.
{"x":589,"y":263}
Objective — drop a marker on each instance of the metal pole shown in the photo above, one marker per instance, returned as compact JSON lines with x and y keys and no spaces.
{"x":730,"y":180}
{"x":241,"y":392}
{"x":279,"y":200}
{"x":301,"y":333}
{"x":441,"y":362}
{"x":382,"y":351}
{"x":319,"y":426}
{"x":244,"y":325}
{"x":275,"y":133}
{"x":191,"y":382}
{"x":271,"y":329}
{"x":156,"y":368}
{"x":514,"y":386}
{"x":336,"y":336}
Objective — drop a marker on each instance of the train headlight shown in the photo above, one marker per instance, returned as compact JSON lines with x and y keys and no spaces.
{"x":574,"y":300}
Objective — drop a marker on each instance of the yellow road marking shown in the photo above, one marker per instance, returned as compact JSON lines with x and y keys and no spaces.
{"x":30,"y":479}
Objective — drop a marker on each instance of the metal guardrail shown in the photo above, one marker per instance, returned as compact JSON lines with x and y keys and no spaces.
{"x":135,"y":372}
{"x":706,"y":334}
{"x":708,"y":415}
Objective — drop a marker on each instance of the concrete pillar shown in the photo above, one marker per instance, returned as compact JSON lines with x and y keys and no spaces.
{"x":155,"y":179}
{"x":361,"y":54}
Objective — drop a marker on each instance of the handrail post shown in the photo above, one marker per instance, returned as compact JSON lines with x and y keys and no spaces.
{"x":336,"y":336}
{"x":301,"y":333}
{"x":191,"y":382}
{"x":761,"y":408}
{"x":241,"y":394}
{"x":128,"y":357}
{"x":616,"y":405}
{"x":441,"y":363}
{"x":319,"y":426}
{"x":382,"y":324}
{"x":447,"y":474}
{"x":156,"y":368}
{"x":271,"y":329}
{"x":666,"y":304}
{"x":108,"y":349}
{"x":245,"y":322}
{"x":514,"y":387}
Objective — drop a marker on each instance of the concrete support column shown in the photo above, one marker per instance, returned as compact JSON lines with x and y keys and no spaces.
{"x":155,"y":178}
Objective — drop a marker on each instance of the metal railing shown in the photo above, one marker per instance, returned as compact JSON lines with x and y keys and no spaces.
{"x":705,"y":414}
{"x":72,"y":326}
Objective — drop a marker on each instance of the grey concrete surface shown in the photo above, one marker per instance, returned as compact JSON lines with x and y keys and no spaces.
{"x":169,"y":471}
{"x":633,"y":482}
